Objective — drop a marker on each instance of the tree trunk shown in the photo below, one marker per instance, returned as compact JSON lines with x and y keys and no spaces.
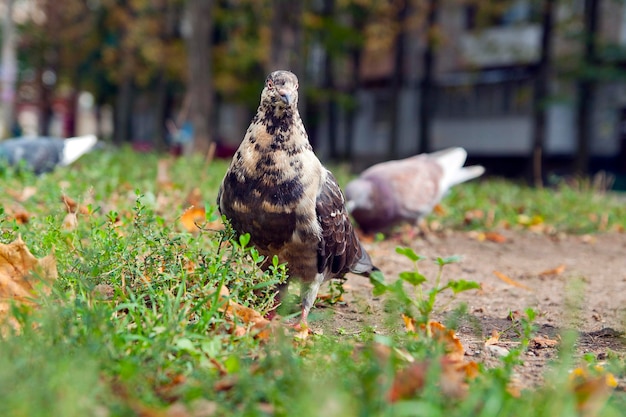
{"x":426,"y":96}
{"x":200,"y":82}
{"x":397,"y":80}
{"x":329,"y":87}
{"x":286,"y":38}
{"x":123,"y":111}
{"x":359,"y":15}
{"x":541,"y":92}
{"x":8,"y":70}
{"x":587,"y":89}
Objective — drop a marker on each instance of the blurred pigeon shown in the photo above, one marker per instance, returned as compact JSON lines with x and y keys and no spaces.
{"x":278,"y":191}
{"x":43,"y":154}
{"x":406,"y":190}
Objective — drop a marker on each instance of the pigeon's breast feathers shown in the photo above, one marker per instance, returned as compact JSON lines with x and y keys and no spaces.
{"x":275,"y":173}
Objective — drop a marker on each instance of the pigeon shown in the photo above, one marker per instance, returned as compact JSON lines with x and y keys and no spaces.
{"x":278,"y":192}
{"x":43,"y":154}
{"x":406,"y":190}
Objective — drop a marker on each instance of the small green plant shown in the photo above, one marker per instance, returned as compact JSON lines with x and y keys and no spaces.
{"x":421,"y":303}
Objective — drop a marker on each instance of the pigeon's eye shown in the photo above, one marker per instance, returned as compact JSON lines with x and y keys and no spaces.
{"x":296,"y":86}
{"x":269,"y":84}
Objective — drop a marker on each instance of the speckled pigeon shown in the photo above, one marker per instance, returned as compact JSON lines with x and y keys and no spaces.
{"x":393,"y":192}
{"x":42,"y":154}
{"x":278,"y":191}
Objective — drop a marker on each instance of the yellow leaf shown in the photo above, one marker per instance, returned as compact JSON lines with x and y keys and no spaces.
{"x":554,"y":271}
{"x":495,"y":338}
{"x":510,"y":281}
{"x":409,"y":323}
{"x":192,"y":218}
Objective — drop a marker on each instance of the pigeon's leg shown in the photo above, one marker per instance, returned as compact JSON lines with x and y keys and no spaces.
{"x":308,"y":294}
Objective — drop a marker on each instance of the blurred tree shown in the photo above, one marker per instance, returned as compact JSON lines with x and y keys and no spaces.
{"x":397,"y":78}
{"x":200,"y":81}
{"x":541,"y":91}
{"x":426,"y":94}
{"x":587,"y":86}
{"x":8,"y":70}
{"x":287,"y":40}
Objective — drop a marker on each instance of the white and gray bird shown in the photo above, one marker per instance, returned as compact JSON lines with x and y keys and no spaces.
{"x":43,"y":154}
{"x":278,"y":191}
{"x":403,"y":191}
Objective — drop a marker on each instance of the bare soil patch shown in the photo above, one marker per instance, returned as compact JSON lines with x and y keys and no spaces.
{"x":586,"y":291}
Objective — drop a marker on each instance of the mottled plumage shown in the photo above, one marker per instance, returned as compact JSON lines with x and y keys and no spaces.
{"x":278,"y":191}
{"x":43,"y":154}
{"x":406,"y":190}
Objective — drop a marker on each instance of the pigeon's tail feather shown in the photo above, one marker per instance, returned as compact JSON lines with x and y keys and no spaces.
{"x":364,"y":265}
{"x":451,"y":158}
{"x":466,"y":174}
{"x":76,"y":147}
{"x":451,"y":161}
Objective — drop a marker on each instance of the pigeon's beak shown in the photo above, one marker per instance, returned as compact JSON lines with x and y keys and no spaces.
{"x":286,"y":96}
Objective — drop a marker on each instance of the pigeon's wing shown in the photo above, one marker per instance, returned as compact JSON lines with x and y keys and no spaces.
{"x":415,"y":182}
{"x":339,"y":249}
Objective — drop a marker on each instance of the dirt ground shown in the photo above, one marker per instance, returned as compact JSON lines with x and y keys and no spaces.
{"x":572,"y":282}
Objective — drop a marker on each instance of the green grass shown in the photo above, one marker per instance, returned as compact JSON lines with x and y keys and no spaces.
{"x":161,"y":340}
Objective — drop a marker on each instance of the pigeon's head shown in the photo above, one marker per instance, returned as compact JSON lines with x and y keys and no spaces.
{"x":359,"y":195}
{"x":281,"y":90}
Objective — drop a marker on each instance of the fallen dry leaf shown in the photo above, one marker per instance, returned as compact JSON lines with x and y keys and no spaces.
{"x":70,"y":222}
{"x":20,"y":217}
{"x":193,"y":218}
{"x":23,"y":195}
{"x":493,"y":339}
{"x":22,"y":276}
{"x":495,"y":237}
{"x":554,"y":271}
{"x":409,"y":323}
{"x":163,"y":174}
{"x":72,"y":206}
{"x":452,"y":379}
{"x":439,"y":210}
{"x":241,"y":317}
{"x":541,"y":342}
{"x":510,"y":281}
{"x":592,"y":390}
{"x":472,"y":215}
{"x":447,"y":337}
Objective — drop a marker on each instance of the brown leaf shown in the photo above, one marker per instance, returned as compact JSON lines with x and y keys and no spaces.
{"x":21,"y":274}
{"x":242,"y":317}
{"x":495,"y":338}
{"x":72,"y":206}
{"x":439,"y":210}
{"x":193,"y":218}
{"x":592,"y":390}
{"x":22,"y":195}
{"x":541,"y":342}
{"x":510,"y":281}
{"x":554,"y":271}
{"x":495,"y":237}
{"x":409,"y":323}
{"x":452,"y":379}
{"x":21,"y":217}
{"x":163,"y":175}
{"x":70,"y":222}
{"x":447,"y":337}
{"x":408,"y":381}
{"x":472,"y":215}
